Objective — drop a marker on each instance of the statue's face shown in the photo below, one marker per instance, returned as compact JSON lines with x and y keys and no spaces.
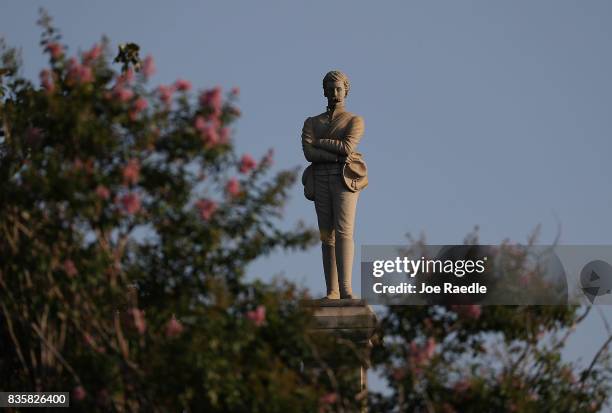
{"x":335,"y":92}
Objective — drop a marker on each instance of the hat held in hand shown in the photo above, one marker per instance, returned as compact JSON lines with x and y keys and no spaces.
{"x":355,"y":172}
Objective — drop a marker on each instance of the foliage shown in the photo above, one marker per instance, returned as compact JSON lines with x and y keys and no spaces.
{"x":127,"y":221}
{"x":472,"y":358}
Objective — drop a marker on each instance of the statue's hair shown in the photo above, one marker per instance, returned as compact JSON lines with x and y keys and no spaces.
{"x":337,"y":76}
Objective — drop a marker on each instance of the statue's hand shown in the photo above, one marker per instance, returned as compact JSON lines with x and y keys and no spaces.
{"x":352,"y":157}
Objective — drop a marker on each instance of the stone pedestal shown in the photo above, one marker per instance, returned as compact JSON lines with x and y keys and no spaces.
{"x":353,"y":320}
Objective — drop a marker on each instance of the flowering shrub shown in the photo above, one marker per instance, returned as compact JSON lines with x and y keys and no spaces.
{"x":472,"y":358}
{"x":127,"y":223}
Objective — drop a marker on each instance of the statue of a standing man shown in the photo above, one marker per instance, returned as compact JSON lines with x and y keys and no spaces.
{"x":329,"y":141}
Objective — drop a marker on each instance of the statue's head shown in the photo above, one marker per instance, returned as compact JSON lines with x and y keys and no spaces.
{"x":335,"y":87}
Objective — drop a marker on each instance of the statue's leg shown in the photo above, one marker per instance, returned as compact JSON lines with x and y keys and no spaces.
{"x":345,"y":206}
{"x":323,"y":206}
{"x":330,"y":269}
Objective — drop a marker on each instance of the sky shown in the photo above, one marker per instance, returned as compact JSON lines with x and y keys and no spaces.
{"x":494,"y":114}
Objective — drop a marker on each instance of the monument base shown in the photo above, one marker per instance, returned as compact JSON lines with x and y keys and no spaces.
{"x":351,"y":319}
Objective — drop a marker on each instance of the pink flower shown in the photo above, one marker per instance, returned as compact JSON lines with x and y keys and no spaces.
{"x":131,"y":172}
{"x":140,"y":104}
{"x":102,"y":192}
{"x":46,"y":80}
{"x":85,"y":74}
{"x":70,"y":269}
{"x":224,"y":136}
{"x":200,"y":123}
{"x":235,"y":91}
{"x":247,"y":163}
{"x":131,"y":202}
{"x":472,"y":311}
{"x":329,"y":398}
{"x":210,"y":136}
{"x":139,"y":320}
{"x":207,"y":131}
{"x":174,"y":328}
{"x":421,"y":355}
{"x":73,"y":69}
{"x":182,"y":85}
{"x":207,"y":208}
{"x":233,"y":187}
{"x":126,"y":77}
{"x":55,"y":49}
{"x":430,"y":347}
{"x":79,"y":393}
{"x":165,"y":94}
{"x":148,"y":66}
{"x":123,"y":94}
{"x":257,"y":316}
{"x":78,"y":73}
{"x":93,"y":54}
{"x":212,"y":99}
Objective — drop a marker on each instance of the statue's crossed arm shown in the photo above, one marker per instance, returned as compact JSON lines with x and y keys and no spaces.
{"x":347,"y":144}
{"x":312,"y":153}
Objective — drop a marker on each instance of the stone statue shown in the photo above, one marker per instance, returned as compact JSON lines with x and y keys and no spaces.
{"x":336,"y":176}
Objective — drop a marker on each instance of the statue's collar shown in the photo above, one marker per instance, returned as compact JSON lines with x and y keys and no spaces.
{"x":337,"y":110}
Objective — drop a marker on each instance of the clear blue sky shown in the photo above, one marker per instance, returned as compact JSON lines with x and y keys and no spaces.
{"x":495,"y":114}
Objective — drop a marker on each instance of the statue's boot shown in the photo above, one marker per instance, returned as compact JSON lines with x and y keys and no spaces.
{"x":331,"y":272}
{"x":345,"y":250}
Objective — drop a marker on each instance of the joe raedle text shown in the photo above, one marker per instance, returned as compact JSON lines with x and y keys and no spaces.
{"x":447,"y":288}
{"x":426,"y":269}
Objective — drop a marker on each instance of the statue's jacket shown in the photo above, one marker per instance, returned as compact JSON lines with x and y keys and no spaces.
{"x":325,"y":140}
